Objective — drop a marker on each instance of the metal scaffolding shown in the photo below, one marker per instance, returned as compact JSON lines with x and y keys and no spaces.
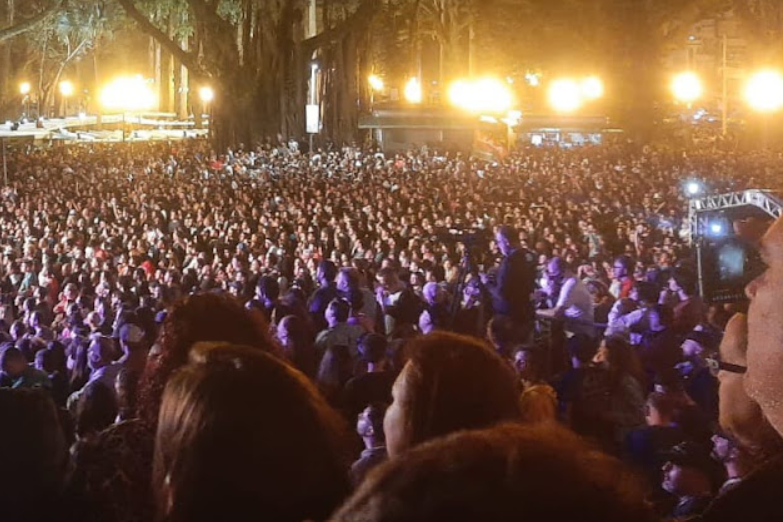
{"x":700,"y":210}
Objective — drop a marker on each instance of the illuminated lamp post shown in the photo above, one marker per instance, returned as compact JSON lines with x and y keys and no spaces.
{"x":376,"y":85}
{"x":206,"y":94}
{"x":24,"y":90}
{"x":66,"y":90}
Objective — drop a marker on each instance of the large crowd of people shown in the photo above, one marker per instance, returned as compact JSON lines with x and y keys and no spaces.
{"x":350,"y":335}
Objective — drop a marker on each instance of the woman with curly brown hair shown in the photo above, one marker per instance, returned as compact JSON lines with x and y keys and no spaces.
{"x":111,"y":478}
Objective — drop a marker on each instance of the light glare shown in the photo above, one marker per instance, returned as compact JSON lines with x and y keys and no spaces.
{"x":764,"y":91}
{"x":487,"y":95}
{"x":565,"y":95}
{"x":413,"y":91}
{"x":66,"y":88}
{"x":24,"y":88}
{"x":376,"y":83}
{"x":206,"y":94}
{"x":128,"y":93}
{"x":687,"y":87}
{"x":592,"y":88}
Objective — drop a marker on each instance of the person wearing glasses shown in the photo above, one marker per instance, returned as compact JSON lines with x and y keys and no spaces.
{"x":756,"y":495}
{"x":622,"y":277}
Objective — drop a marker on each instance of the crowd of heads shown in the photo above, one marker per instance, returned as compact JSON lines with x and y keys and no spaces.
{"x":191,"y":336}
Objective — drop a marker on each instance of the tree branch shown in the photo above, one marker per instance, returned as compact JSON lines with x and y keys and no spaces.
{"x":30,"y":23}
{"x":187,"y":59}
{"x":363,"y":15}
{"x":215,"y":25}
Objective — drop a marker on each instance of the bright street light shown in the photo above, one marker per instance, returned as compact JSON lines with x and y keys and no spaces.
{"x":412,"y":91}
{"x":66,"y":88}
{"x":24,"y":88}
{"x":376,"y":83}
{"x":486,"y":95}
{"x":687,"y":87}
{"x":764,"y":91}
{"x":206,"y":94}
{"x":592,"y":88}
{"x":128,"y":94}
{"x":565,"y":95}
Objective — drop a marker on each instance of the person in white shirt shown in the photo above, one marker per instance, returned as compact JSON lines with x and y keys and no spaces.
{"x":573,"y":302}
{"x":631,"y":317}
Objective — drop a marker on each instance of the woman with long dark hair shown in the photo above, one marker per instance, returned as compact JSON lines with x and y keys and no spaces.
{"x":450,"y":383}
{"x":217,"y":459}
{"x":111,"y":477}
{"x":626,"y":384}
{"x":296,"y":339}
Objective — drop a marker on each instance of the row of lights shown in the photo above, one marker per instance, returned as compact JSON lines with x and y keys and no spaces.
{"x":490,"y":95}
{"x":127,"y":93}
{"x":763,"y":91}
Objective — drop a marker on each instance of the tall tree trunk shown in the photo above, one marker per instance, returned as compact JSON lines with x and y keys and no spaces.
{"x":184,"y":92}
{"x":6,"y":89}
{"x":96,"y":102}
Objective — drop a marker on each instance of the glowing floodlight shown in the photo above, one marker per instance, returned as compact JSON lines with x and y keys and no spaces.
{"x":66,"y":88}
{"x":376,"y":83}
{"x":565,"y":95}
{"x":764,"y":91}
{"x":687,"y":87}
{"x":486,"y":95}
{"x":128,"y":94}
{"x":206,"y":94}
{"x":413,"y":91}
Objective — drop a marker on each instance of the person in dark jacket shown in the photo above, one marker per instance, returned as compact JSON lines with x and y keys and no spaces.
{"x":327,"y":291}
{"x":514,"y":283}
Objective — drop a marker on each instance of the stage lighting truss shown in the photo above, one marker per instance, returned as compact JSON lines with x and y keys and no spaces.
{"x":701,"y":211}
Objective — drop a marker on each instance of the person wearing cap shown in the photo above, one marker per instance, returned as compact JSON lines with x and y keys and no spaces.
{"x":700,"y":384}
{"x":689,"y":474}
